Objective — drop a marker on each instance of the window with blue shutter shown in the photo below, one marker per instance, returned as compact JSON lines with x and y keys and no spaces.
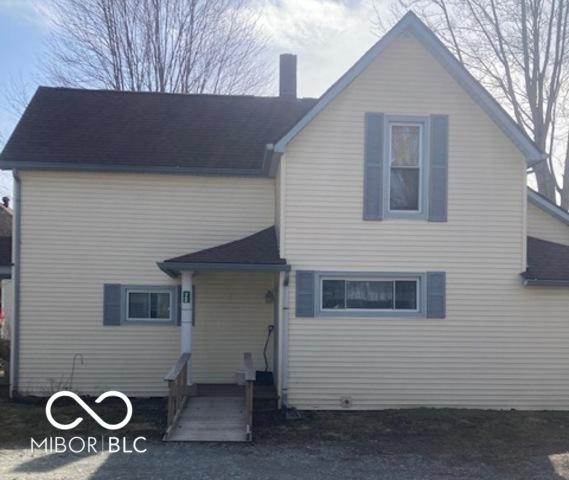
{"x":436,"y":294}
{"x":372,"y":294}
{"x":112,"y":304}
{"x":304,"y":293}
{"x":405,"y":167}
{"x":137,"y":304}
{"x":438,"y":185}
{"x":373,"y":166}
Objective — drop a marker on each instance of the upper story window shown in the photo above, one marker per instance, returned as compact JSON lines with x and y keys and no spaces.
{"x":405,"y":165}
{"x":149,"y":304}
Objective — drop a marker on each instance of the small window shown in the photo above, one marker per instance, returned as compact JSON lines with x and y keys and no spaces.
{"x":148,"y":305}
{"x":405,"y":164}
{"x":385,"y":295}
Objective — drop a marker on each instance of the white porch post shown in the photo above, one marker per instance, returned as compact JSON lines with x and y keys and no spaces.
{"x":186,"y":320}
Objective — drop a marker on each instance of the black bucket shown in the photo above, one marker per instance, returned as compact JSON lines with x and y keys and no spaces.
{"x":263,"y":378}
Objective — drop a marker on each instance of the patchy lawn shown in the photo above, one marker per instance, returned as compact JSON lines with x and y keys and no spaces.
{"x":427,"y":430}
{"x":396,"y":444}
{"x":20,"y":420}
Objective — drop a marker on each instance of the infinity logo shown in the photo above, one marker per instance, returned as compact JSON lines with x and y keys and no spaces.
{"x":89,"y":410}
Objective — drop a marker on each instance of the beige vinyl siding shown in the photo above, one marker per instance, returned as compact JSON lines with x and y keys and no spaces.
{"x":81,"y":230}
{"x":542,"y":225}
{"x":231,"y":318}
{"x":501,"y":345}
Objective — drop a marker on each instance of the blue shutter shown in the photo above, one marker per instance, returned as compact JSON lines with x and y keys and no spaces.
{"x":438,"y":175}
{"x":304,"y":293}
{"x":436,"y":294}
{"x":373,"y":167}
{"x":112,"y":304}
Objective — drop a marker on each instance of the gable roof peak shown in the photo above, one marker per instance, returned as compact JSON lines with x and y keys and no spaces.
{"x":410,"y":22}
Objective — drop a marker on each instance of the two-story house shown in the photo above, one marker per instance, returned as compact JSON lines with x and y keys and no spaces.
{"x":385,"y":230}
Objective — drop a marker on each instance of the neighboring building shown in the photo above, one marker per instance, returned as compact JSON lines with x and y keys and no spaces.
{"x":5,"y":267}
{"x":384,"y":229}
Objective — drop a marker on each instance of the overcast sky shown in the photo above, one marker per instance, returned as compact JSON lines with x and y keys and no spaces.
{"x":327,"y":35}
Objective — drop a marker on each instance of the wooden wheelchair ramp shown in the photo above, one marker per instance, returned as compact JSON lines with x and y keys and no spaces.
{"x":221,"y":413}
{"x":212,"y":419}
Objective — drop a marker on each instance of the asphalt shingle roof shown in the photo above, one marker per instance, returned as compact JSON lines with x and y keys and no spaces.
{"x":546,"y":260}
{"x":109,"y":128}
{"x":261,"y":248}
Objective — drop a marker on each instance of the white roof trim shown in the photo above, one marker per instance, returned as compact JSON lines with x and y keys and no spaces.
{"x":411,"y":23}
{"x":548,"y":206}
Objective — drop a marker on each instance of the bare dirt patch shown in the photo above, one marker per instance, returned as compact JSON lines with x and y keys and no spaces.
{"x":22,"y":419}
{"x":394,"y":444}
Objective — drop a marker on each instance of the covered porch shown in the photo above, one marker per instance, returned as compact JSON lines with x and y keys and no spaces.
{"x":229,"y":302}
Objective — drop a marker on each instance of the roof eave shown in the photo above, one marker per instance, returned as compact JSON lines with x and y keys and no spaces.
{"x":542,"y":282}
{"x":174,"y":269}
{"x":548,"y":207}
{"x":97,"y":167}
{"x":271,"y":162}
{"x":532,"y":162}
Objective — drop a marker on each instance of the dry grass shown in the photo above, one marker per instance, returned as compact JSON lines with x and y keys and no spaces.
{"x":426,"y":431}
{"x":488,"y":434}
{"x":20,"y":420}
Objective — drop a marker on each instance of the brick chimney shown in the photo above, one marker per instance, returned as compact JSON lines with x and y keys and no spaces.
{"x":287,"y":77}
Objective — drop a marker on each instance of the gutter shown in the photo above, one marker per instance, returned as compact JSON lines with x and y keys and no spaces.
{"x":173,"y":269}
{"x":547,"y":206}
{"x":535,"y":282}
{"x":271,"y":160}
{"x":95,"y":167}
{"x":16,"y":254}
{"x":532,"y":162}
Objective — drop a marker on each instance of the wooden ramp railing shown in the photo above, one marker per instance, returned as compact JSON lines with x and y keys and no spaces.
{"x":177,"y":379}
{"x":209,"y":417}
{"x":249,"y":371}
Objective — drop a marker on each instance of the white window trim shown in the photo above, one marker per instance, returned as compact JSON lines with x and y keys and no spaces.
{"x":419,"y":278}
{"x":424,"y":123}
{"x":419,"y":166}
{"x":128,"y":289}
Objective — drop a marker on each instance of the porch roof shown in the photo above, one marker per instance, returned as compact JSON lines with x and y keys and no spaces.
{"x":547,"y":263}
{"x":256,"y":252}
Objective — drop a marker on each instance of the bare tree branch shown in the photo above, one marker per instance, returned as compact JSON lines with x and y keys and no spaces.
{"x":518,"y":49}
{"x":17,"y":93}
{"x":184,"y":46}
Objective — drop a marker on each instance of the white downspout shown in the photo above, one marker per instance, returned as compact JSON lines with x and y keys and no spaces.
{"x":16,"y":254}
{"x":284,"y":340}
{"x":187,"y":319}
